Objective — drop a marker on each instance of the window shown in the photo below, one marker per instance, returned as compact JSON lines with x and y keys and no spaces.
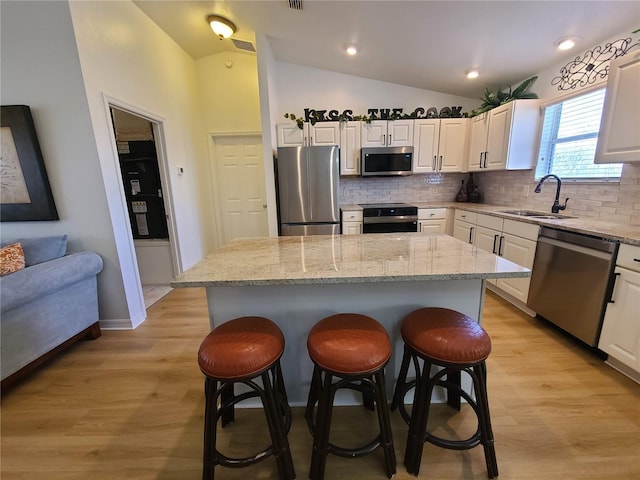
{"x":569,"y":137}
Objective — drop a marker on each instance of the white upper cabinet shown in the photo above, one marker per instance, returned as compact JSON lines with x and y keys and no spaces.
{"x":387,"y":133}
{"x":505,"y":138}
{"x":322,"y":133}
{"x":619,"y":137}
{"x":439,"y":145}
{"x":290,"y":135}
{"x":350,"y":148}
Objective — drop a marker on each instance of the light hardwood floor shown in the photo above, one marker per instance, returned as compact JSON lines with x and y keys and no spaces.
{"x":130,"y":406}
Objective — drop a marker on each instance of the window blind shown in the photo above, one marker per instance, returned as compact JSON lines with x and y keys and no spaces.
{"x":569,"y":137}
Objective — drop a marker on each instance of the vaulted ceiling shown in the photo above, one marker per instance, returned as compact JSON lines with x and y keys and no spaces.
{"x":423,"y":44}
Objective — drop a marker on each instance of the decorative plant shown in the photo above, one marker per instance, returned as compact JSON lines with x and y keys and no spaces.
{"x":299,"y":120}
{"x":491,"y":100}
{"x":341,"y":118}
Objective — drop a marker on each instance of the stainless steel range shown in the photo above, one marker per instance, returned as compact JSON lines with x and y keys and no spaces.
{"x":389,"y":217}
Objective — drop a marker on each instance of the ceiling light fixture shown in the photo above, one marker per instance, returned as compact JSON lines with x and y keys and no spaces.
{"x":567,"y":43}
{"x":352,"y":50}
{"x":473,"y":74}
{"x":221,"y":26}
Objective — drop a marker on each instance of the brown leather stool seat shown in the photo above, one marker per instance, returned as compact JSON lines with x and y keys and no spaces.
{"x":241,"y":351}
{"x":348,"y":351}
{"x":456,"y":343}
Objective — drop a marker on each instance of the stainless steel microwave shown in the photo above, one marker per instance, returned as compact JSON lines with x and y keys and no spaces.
{"x":386,"y":161}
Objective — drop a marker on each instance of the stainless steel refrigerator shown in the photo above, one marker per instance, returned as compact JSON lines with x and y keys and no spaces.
{"x":308,"y":190}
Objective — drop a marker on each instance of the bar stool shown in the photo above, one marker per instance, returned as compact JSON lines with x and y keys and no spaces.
{"x":353,"y":350}
{"x":242,"y":351}
{"x":457,"y":343}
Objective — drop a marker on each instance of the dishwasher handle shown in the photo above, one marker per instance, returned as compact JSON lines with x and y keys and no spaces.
{"x":577,"y":248}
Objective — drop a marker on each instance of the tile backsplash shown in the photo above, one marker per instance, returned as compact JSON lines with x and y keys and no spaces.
{"x":437,"y":187}
{"x":614,"y":202}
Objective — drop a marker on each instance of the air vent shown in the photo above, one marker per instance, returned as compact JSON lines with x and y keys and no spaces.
{"x":295,"y":4}
{"x":242,"y":45}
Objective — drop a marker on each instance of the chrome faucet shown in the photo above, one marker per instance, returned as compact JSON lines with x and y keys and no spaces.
{"x":556,"y":207}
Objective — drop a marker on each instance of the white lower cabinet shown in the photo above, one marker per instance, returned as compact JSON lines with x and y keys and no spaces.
{"x":351,"y":222}
{"x":513,"y":240}
{"x":620,"y":335}
{"x":432,"y":220}
{"x":488,"y":235}
{"x":464,"y":224}
{"x":521,"y":251}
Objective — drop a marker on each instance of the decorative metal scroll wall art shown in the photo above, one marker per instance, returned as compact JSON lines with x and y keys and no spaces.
{"x":592,"y":66}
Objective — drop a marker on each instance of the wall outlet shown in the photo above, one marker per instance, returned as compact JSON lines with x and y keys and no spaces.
{"x":525,"y":190}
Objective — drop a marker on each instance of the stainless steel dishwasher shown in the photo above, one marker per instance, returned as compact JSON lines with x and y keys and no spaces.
{"x":570,"y":280}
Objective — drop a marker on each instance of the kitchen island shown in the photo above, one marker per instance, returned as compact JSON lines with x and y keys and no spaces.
{"x":297,"y":281}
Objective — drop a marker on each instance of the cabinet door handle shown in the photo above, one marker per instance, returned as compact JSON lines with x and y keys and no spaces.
{"x":440,"y":168}
{"x":613,"y":287}
{"x":500,"y":246}
{"x":636,"y":259}
{"x":384,"y":139}
{"x":495,"y":240}
{"x":470,"y":234}
{"x":389,"y":139}
{"x":480,"y":164}
{"x":434,"y":163}
{"x":485,"y":159}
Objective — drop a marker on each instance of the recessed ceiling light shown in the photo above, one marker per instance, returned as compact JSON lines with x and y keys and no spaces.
{"x":352,"y":50}
{"x":473,"y":74}
{"x":567,"y":43}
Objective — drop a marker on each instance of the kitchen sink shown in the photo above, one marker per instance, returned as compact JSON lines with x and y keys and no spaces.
{"x":534,"y":214}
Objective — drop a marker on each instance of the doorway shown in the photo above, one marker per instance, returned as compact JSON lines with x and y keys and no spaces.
{"x":237,"y":170}
{"x":145,"y":195}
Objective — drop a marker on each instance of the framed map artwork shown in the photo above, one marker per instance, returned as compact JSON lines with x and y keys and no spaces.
{"x":25,"y":193}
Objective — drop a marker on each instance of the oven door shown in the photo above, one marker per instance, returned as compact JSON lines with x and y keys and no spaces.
{"x":389,"y":225}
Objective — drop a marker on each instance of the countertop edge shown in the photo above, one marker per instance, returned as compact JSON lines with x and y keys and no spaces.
{"x":347,"y":280}
{"x":597,"y":228}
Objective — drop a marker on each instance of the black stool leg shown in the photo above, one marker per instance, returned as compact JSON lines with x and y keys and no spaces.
{"x":228,"y":411}
{"x":210,"y":421}
{"x":419,"y":418}
{"x":314,"y":393}
{"x":402,"y":378}
{"x":368,"y":398}
{"x":277,"y":427}
{"x":484,"y":420}
{"x":281,"y":394}
{"x":453,"y":392}
{"x":385,"y":423}
{"x":323,"y":427}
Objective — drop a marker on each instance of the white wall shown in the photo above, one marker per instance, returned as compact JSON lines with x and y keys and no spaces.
{"x":544,"y":87}
{"x":228,"y":96}
{"x":40,"y":68}
{"x":616,"y":202}
{"x":229,"y":103}
{"x":301,"y":87}
{"x":268,"y":111}
{"x":126,"y":57}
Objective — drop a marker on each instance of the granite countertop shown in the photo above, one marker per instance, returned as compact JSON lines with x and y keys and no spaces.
{"x":345,"y":259}
{"x":611,"y":231}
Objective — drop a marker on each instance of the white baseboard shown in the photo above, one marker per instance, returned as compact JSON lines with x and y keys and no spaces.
{"x":623,"y":369}
{"x":511,"y":299}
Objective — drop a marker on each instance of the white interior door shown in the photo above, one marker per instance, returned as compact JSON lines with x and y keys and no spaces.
{"x":240,"y":185}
